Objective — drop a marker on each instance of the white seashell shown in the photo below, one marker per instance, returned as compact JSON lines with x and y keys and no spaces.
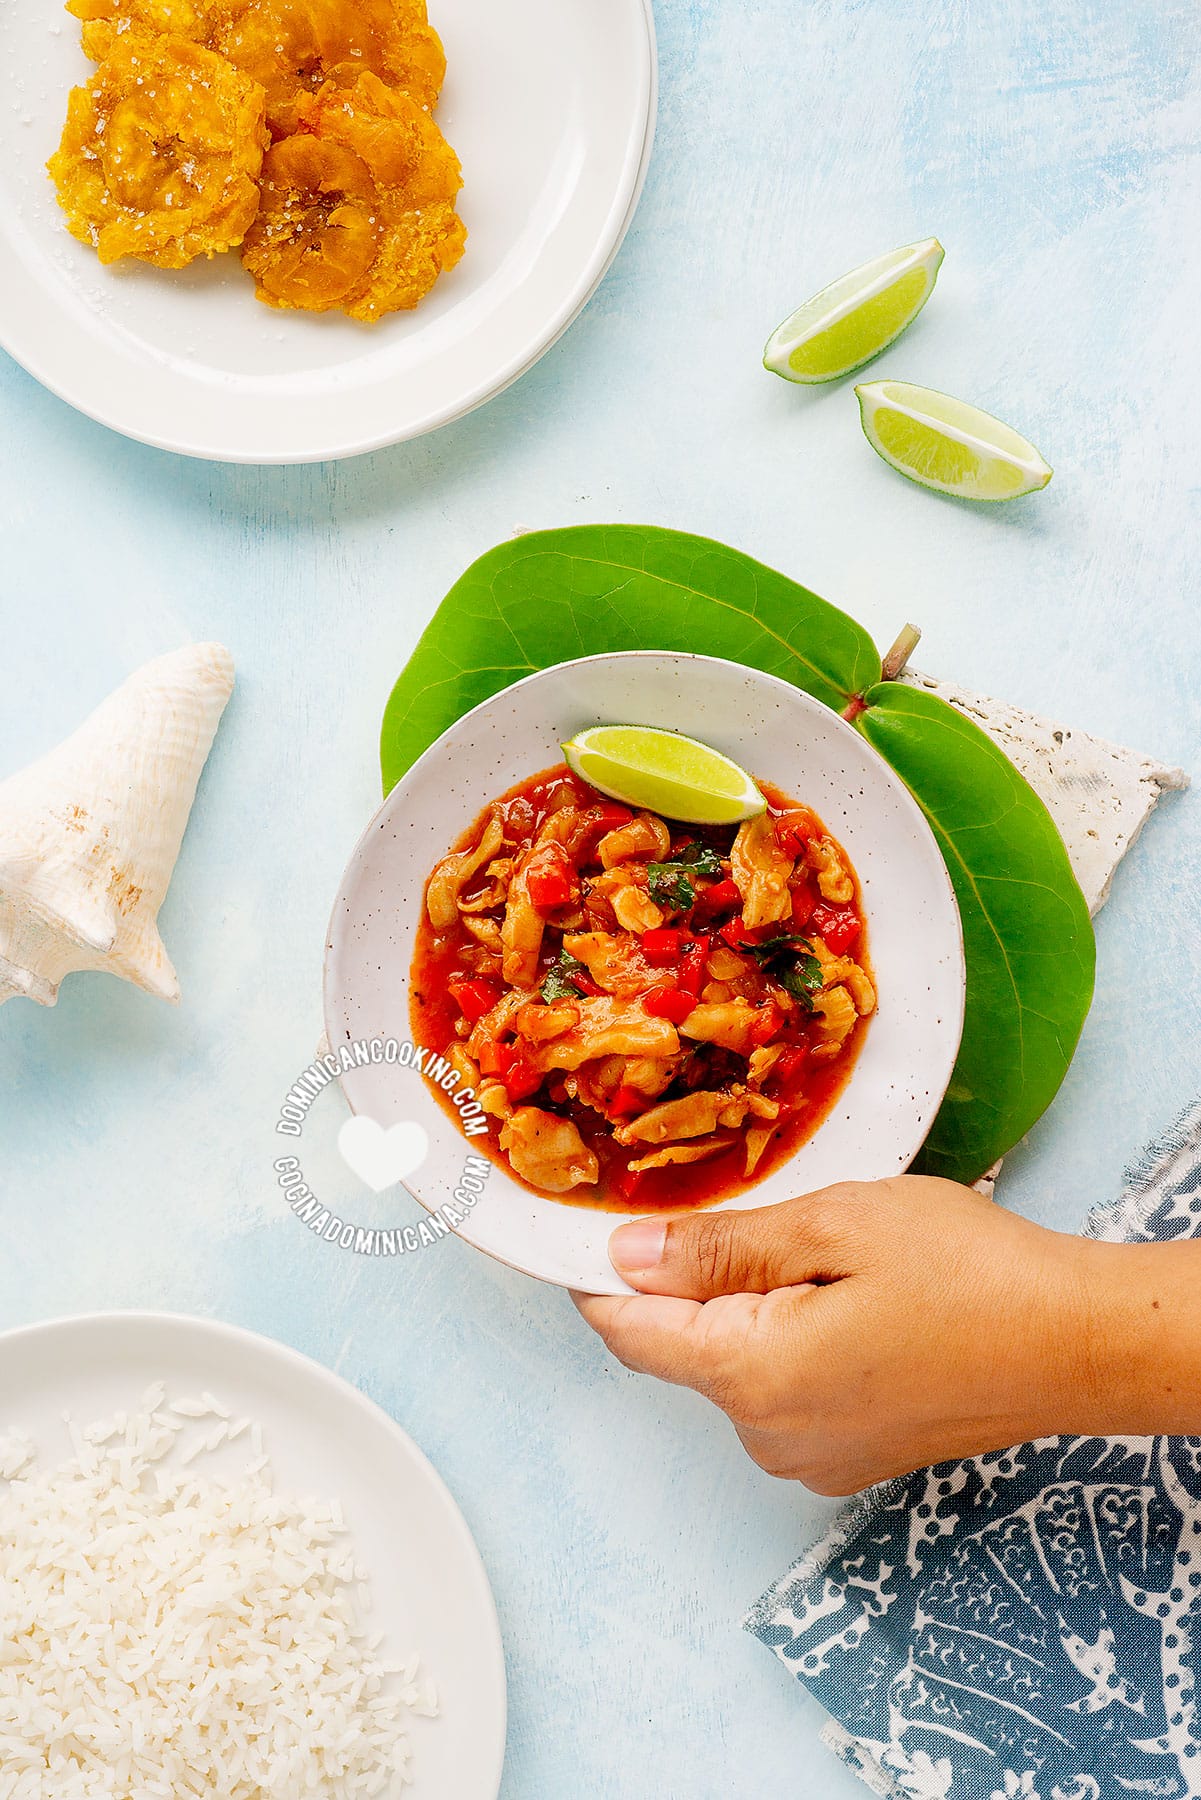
{"x":89,"y":834}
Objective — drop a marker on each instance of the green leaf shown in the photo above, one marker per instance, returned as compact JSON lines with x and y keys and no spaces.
{"x":668,"y":885}
{"x":559,"y":983}
{"x":702,"y":859}
{"x":800,"y":976}
{"x":766,"y":948}
{"x":553,"y":595}
{"x":789,"y":959}
{"x":1028,"y":942}
{"x":669,"y":882}
{"x":1027,"y":936}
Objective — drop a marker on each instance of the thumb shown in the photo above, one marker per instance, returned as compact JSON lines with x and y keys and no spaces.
{"x":696,"y":1256}
{"x":708,"y":1347}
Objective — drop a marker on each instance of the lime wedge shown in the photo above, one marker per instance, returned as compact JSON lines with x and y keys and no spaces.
{"x":856,"y":317}
{"x":665,"y":772}
{"x":946,"y":444}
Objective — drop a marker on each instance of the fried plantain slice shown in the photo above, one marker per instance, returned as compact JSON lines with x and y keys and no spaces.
{"x":319,"y":228}
{"x":291,"y":46}
{"x":102,"y":19}
{"x":358,"y":207}
{"x":294,"y":46}
{"x":161,"y":152}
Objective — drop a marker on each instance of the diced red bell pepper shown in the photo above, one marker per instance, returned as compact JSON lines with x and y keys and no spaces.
{"x":838,"y":925}
{"x":661,"y":946}
{"x":549,"y":889}
{"x":796,"y":829}
{"x":723,"y":896}
{"x":629,"y":1182}
{"x":521,"y":1083}
{"x":668,"y":1003}
{"x":474,"y":996}
{"x":610,"y":815}
{"x":766,"y":1023}
{"x":550,"y":879}
{"x":692,"y":973}
{"x":517,"y":1072}
{"x":790,"y":1062}
{"x":733,"y":933}
{"x":804,"y":903}
{"x":627,"y":1100}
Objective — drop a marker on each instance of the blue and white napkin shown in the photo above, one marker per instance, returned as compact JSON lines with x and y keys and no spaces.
{"x":1024,"y":1625}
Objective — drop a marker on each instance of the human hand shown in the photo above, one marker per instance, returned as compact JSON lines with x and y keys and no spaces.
{"x":874,"y":1328}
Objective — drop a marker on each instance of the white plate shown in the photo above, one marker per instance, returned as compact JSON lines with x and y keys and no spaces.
{"x":778,"y":733}
{"x":428,"y":1587}
{"x":550,"y":105}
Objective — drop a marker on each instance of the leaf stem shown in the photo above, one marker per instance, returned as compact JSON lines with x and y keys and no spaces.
{"x":890,"y":668}
{"x":902,"y":650}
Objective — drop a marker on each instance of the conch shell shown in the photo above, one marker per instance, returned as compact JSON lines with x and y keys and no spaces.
{"x":89,"y":833}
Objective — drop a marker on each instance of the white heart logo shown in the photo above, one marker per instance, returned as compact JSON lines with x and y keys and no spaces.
{"x":382,"y":1158}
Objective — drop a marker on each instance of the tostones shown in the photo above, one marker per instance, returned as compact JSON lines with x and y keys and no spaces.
{"x":294,"y":46}
{"x":192,"y":19}
{"x":291,"y":46}
{"x":161,"y":152}
{"x":358,"y":206}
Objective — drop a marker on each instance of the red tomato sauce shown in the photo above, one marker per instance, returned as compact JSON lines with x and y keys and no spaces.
{"x":806,"y":1092}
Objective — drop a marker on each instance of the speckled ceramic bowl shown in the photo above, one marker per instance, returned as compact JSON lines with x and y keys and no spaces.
{"x":781,"y":735}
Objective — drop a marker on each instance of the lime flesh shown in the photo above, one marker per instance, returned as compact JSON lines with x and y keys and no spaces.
{"x":945,"y":444}
{"x":664,"y":772}
{"x":857,"y":316}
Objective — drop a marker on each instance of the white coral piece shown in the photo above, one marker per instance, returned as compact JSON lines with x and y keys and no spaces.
{"x":89,"y":833}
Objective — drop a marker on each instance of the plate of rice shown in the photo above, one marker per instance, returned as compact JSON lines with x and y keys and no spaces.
{"x":224,"y":1571}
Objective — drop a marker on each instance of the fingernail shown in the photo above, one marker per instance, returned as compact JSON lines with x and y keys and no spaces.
{"x":634,"y":1248}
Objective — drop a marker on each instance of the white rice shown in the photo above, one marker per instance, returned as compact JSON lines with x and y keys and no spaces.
{"x":164,"y":1634}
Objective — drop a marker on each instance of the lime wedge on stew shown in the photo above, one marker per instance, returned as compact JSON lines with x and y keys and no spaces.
{"x":856,"y":317}
{"x":664,"y":772}
{"x":948,"y":445}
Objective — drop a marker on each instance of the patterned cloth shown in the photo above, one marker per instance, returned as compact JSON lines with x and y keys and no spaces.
{"x":1024,"y":1625}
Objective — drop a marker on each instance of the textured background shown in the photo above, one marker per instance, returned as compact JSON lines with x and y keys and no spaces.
{"x":1053,"y":146}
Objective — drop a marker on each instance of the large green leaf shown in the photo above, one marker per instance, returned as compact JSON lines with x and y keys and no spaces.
{"x":1027,"y":937}
{"x":552,"y":595}
{"x":558,"y":594}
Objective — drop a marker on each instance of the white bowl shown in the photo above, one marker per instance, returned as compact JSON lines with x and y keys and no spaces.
{"x":771,"y":728}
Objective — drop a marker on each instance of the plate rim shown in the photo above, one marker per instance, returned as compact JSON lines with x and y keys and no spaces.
{"x":257,"y":1342}
{"x":620,"y":1286}
{"x":608,"y":244}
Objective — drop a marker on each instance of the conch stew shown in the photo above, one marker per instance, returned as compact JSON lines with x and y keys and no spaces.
{"x":651,"y":1014}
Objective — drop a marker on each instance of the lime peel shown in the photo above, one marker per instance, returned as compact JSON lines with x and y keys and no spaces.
{"x":856,"y":317}
{"x":946,"y":444}
{"x":665,"y":772}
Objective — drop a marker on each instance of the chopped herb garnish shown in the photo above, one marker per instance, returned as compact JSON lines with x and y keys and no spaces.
{"x":701,"y":857}
{"x":767,"y":948}
{"x":670,"y":883}
{"x":669,"y":886}
{"x":789,"y":959}
{"x":801,"y":977}
{"x":558,"y":983}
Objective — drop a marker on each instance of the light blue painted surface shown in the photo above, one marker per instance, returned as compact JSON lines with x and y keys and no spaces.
{"x":1053,"y":147}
